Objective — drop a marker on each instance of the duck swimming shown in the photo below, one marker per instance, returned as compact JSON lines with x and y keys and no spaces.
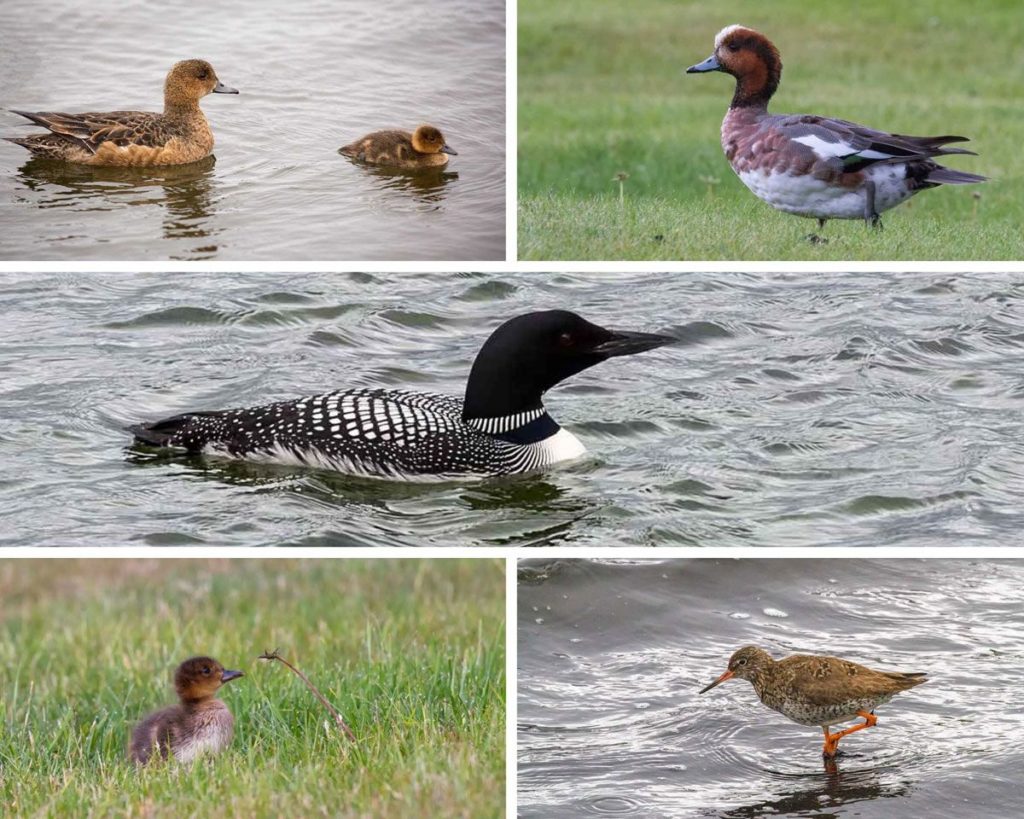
{"x":200,"y":724}
{"x":811,"y":165}
{"x":499,"y":427}
{"x":423,"y":148}
{"x":178,"y":136}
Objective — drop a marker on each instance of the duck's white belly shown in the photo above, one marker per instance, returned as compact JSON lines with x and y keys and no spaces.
{"x":805,"y":195}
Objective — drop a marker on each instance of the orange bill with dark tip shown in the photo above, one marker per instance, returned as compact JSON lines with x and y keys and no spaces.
{"x":728,"y":675}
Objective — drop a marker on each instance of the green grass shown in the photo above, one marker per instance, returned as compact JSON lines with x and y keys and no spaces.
{"x":410,"y":651}
{"x":602,"y":91}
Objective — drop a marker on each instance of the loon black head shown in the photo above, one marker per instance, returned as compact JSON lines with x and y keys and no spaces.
{"x":529,"y":354}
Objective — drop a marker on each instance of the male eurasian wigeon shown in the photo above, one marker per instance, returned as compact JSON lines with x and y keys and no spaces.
{"x":423,"y":148}
{"x":200,"y":724}
{"x":810,"y":165}
{"x":179,"y":135}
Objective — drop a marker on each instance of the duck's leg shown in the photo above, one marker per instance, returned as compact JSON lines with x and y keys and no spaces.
{"x":871,"y":217}
{"x":816,"y":238}
{"x":832,"y":740}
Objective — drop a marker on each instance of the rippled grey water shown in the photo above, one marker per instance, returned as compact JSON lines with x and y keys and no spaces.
{"x":809,"y":410}
{"x":313,"y":76}
{"x":612,"y":655}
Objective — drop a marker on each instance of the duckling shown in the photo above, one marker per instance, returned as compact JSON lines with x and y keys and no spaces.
{"x":200,"y":724}
{"x":178,"y":136}
{"x":423,"y":148}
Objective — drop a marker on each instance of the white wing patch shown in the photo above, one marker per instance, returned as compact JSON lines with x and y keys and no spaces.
{"x":827,"y":150}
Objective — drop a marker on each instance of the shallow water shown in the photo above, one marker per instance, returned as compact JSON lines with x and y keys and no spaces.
{"x":844,"y":409}
{"x":313,"y":77}
{"x":611,"y":658}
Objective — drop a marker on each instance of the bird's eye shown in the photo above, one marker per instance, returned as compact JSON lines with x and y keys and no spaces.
{"x":742,"y":661}
{"x":734,"y":46}
{"x":206,"y":670}
{"x":565,"y":339}
{"x":204,"y":74}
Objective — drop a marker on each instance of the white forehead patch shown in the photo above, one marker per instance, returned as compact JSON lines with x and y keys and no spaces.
{"x":725,"y":32}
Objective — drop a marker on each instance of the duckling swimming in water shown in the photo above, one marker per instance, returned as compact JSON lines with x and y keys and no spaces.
{"x":178,"y":136}
{"x":200,"y":724}
{"x":423,"y":148}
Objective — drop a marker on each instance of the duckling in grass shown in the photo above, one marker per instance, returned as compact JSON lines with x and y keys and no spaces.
{"x":423,"y":148}
{"x":200,"y":724}
{"x":178,"y":136}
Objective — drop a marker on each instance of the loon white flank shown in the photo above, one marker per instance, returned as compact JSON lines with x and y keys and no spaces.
{"x":500,"y":428}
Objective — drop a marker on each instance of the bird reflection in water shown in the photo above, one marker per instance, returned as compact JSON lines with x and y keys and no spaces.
{"x":827,"y":793}
{"x":187,"y":194}
{"x":426,"y":186}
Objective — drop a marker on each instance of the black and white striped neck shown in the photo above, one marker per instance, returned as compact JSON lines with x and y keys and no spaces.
{"x":527,"y":427}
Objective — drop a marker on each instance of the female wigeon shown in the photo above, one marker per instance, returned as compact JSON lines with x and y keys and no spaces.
{"x":179,"y":135}
{"x":423,"y":148}
{"x":810,"y":165}
{"x":200,"y":724}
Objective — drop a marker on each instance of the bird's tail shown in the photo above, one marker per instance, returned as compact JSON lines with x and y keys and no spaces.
{"x":947,"y":176}
{"x":167,"y":433}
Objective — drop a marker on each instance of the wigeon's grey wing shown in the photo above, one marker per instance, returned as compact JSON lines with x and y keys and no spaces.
{"x":857,"y":146}
{"x":92,"y":129}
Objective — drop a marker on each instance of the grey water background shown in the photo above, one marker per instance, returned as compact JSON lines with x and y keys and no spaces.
{"x":313,"y":76}
{"x":797,"y":410}
{"x":612,"y":655}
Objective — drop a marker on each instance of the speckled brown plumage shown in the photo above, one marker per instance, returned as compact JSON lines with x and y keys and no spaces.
{"x":200,"y":724}
{"x":423,"y":148}
{"x":177,"y":136}
{"x":818,"y":690}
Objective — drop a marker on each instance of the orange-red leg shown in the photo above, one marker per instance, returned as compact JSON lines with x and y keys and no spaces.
{"x":832,"y":740}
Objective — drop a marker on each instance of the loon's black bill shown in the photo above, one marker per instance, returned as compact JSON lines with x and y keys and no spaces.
{"x":229,"y":675}
{"x":220,"y":88}
{"x":627,"y":343}
{"x":710,"y":64}
{"x":446,"y":150}
{"x":728,"y":675}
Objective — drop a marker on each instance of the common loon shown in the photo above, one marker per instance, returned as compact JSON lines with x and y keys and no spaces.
{"x":500,"y":428}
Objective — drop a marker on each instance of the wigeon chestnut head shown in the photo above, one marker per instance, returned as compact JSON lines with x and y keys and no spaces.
{"x":178,"y":136}
{"x":811,"y":165}
{"x":423,"y":148}
{"x":200,"y":724}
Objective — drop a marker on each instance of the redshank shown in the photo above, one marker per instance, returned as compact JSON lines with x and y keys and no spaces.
{"x":815,"y":690}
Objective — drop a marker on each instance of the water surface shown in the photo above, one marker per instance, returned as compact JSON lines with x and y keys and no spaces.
{"x":803,"y":410}
{"x":313,"y":76}
{"x":612,"y":655}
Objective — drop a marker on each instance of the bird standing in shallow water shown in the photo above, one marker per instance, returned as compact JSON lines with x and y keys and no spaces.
{"x":815,"y":690}
{"x":811,"y":165}
{"x":200,"y":724}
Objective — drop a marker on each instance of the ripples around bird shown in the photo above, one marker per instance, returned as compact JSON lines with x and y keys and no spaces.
{"x":612,"y":655}
{"x":797,"y":410}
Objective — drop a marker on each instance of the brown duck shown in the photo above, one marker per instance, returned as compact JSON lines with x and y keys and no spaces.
{"x":179,"y":135}
{"x":423,"y":148}
{"x":814,"y":690}
{"x":200,"y":724}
